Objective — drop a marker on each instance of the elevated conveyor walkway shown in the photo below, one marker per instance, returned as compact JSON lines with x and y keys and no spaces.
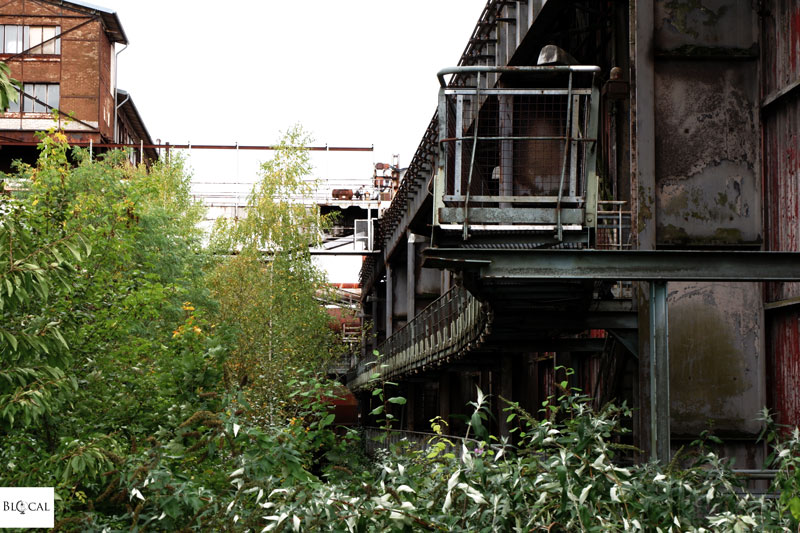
{"x":451,"y":325}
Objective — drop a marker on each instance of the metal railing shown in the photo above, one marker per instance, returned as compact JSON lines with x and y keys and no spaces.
{"x":614,"y":233}
{"x":443,"y":329}
{"x":377,"y":439}
{"x":530,"y":145}
{"x":613,"y":225}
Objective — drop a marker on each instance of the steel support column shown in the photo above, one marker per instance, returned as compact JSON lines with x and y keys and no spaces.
{"x":389,"y":301}
{"x":411,"y":277}
{"x":659,"y":373}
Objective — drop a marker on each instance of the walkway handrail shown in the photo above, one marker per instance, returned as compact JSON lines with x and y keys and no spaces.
{"x":474,"y":69}
{"x":444,"y":328}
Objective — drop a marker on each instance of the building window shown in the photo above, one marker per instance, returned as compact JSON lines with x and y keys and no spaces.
{"x":15,"y":39}
{"x":35,"y":97}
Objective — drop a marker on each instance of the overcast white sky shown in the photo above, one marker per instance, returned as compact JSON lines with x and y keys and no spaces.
{"x":352,"y":72}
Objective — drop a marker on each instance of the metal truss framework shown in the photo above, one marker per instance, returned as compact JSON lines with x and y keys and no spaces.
{"x":657,"y":267}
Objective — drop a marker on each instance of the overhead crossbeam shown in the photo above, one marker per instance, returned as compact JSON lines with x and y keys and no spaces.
{"x":654,"y":266}
{"x":613,"y":265}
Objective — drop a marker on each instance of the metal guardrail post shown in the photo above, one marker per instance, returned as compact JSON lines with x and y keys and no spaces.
{"x":591,"y":161}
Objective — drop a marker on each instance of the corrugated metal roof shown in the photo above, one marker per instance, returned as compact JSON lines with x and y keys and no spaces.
{"x":91,"y":6}
{"x":110,"y":19}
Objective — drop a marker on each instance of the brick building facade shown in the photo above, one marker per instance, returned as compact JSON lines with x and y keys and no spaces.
{"x":64,"y":53}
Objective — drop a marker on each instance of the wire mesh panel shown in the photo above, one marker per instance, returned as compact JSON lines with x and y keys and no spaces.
{"x":519,"y":156}
{"x":531,"y":145}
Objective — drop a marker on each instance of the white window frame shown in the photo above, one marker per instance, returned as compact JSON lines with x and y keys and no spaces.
{"x":29,"y":39}
{"x":50,"y":93}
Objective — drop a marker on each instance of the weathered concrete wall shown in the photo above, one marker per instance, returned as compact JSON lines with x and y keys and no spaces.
{"x":707,"y":194}
{"x":705,"y":23}
{"x":707,"y":144}
{"x":707,"y":134}
{"x":717,"y":370}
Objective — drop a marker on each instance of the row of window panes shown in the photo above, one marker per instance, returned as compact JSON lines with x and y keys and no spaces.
{"x":44,"y":92}
{"x":15,"y":39}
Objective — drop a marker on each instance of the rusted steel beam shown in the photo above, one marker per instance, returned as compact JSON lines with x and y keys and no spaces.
{"x":199,"y":146}
{"x":634,"y":265}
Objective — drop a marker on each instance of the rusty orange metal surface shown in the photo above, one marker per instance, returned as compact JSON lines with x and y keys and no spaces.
{"x":781,"y":167}
{"x":783,"y":367}
{"x":781,"y":45}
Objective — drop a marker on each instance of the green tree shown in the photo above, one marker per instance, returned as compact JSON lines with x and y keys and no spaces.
{"x":102,"y":319}
{"x":268,"y":288}
{"x":9,"y":87}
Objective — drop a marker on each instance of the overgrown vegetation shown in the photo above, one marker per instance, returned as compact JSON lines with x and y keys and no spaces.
{"x":161,"y":386}
{"x":267,"y":286}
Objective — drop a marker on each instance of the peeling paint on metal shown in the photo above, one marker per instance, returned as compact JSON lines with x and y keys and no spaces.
{"x":645,"y":208}
{"x":784,"y":366}
{"x":781,"y":44}
{"x":781,"y":138}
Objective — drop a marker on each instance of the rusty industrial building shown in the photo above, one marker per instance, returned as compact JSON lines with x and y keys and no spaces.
{"x":65,"y":55}
{"x":610,"y":187}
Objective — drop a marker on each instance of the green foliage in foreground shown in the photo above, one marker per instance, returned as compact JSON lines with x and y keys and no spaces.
{"x":9,"y":87}
{"x":112,"y":390}
{"x":563,"y":476}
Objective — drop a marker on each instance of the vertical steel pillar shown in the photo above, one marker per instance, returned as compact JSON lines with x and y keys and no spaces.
{"x":369,"y":228}
{"x":659,"y":373}
{"x":441,"y":157}
{"x":389,"y":301}
{"x":642,"y":186}
{"x":373,"y":345}
{"x":411,"y":278}
{"x":458,"y":172}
